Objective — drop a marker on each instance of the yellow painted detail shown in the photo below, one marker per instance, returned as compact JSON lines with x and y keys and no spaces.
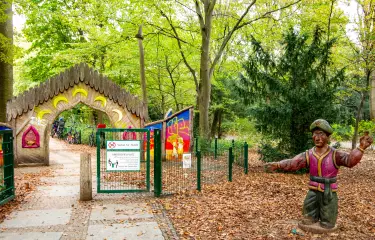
{"x":57,"y":99}
{"x":102,"y":99}
{"x":40,"y":113}
{"x":119,"y":114}
{"x":307,"y":158}
{"x":80,"y":90}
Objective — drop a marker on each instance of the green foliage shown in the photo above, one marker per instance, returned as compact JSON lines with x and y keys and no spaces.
{"x":270,"y":153}
{"x":342,"y":132}
{"x":345,"y":132}
{"x":291,"y":88}
{"x":243,"y":130}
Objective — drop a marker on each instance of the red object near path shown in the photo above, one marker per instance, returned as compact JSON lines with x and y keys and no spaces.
{"x":101,"y":125}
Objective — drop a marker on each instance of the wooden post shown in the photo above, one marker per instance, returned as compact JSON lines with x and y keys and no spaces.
{"x":85,"y":190}
{"x":139,"y":36}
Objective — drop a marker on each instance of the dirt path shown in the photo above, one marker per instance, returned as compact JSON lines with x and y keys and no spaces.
{"x":53,"y":210}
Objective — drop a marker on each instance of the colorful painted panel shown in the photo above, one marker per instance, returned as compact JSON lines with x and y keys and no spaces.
{"x":177,"y":139}
{"x":31,"y":138}
{"x":152,"y":128}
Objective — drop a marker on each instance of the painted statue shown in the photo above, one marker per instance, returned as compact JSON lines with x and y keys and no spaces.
{"x":323,"y":161}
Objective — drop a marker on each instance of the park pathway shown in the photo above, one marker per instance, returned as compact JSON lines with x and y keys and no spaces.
{"x":55,"y":212}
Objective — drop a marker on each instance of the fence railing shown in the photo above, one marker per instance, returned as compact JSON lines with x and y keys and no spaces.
{"x":220,"y":160}
{"x":209,"y":163}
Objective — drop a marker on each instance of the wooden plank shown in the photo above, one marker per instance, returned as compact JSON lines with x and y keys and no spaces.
{"x":105,"y":88}
{"x":66,"y":81}
{"x":75,"y":73}
{"x":91,"y":80}
{"x":102,"y":79}
{"x":87,"y":75}
{"x":71,"y":77}
{"x":96,"y":81}
{"x":49,"y":91}
{"x":121,"y":100}
{"x":32,"y":98}
{"x":61,"y":83}
{"x":56,"y":85}
{"x":117,"y":92}
{"x":82,"y":72}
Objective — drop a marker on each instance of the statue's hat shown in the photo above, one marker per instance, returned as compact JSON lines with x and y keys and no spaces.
{"x":321,"y":124}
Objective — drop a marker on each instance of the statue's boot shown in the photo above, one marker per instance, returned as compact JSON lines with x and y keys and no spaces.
{"x":327,"y":225}
{"x":309,"y":221}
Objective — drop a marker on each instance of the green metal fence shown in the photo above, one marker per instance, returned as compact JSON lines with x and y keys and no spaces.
{"x":7,"y":191}
{"x":221,"y":160}
{"x":123,"y":160}
{"x":212,"y":163}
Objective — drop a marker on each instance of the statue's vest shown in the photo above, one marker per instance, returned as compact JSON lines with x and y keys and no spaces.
{"x":323,"y":166}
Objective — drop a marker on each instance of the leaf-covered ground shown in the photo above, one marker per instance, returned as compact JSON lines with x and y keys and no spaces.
{"x":268,"y":206}
{"x":26,"y":182}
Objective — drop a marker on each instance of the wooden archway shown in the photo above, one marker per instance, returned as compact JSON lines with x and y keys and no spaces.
{"x":39,"y":106}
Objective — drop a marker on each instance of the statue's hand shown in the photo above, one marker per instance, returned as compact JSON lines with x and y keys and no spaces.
{"x":271,"y":167}
{"x":365,"y":141}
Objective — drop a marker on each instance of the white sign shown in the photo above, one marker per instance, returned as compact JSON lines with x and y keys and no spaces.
{"x":123,"y":145}
{"x":123,"y":161}
{"x":186,"y":160}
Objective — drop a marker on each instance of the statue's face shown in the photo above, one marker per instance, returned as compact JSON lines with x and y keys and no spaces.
{"x":320,"y":138}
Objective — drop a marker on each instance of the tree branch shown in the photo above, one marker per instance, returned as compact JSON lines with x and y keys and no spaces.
{"x":229,"y":36}
{"x":181,"y":51}
{"x":238,"y":25}
{"x":199,"y":14}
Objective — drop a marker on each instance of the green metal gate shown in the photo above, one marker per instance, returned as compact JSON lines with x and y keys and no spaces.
{"x":123,"y":160}
{"x":7,"y":191}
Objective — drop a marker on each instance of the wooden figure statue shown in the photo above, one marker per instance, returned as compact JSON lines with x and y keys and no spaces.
{"x":323,"y":161}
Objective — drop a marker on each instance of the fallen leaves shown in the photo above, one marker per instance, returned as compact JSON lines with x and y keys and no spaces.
{"x":25,"y":183}
{"x":268,"y":206}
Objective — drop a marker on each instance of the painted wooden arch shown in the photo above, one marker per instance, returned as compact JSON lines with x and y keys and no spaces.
{"x":39,"y":106}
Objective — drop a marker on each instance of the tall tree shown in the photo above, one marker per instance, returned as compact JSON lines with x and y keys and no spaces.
{"x":6,"y":58}
{"x":362,"y":60}
{"x":291,"y":88}
{"x":206,"y":11}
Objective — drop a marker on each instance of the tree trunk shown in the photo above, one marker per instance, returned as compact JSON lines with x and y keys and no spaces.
{"x":205,"y":77}
{"x":372,"y":96}
{"x":215,"y":122}
{"x":142,"y":68}
{"x":6,"y":68}
{"x":357,"y":119}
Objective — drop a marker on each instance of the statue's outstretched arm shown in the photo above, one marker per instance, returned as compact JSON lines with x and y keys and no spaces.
{"x":355,"y":156}
{"x":293,"y":164}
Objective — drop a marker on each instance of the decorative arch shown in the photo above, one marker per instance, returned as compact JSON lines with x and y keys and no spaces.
{"x":39,"y":106}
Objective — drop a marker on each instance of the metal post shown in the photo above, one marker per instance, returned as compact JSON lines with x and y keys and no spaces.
{"x":196,"y":145}
{"x":246,"y":157}
{"x":98,"y":160}
{"x":148,"y":157}
{"x":230,"y":164}
{"x":157,"y":163}
{"x":233,"y":150}
{"x":199,"y":165}
{"x":215,"y":147}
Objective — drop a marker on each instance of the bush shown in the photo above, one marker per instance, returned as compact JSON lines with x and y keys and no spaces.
{"x":345,"y":133}
{"x":268,"y":153}
{"x":243,"y":130}
{"x":342,"y":133}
